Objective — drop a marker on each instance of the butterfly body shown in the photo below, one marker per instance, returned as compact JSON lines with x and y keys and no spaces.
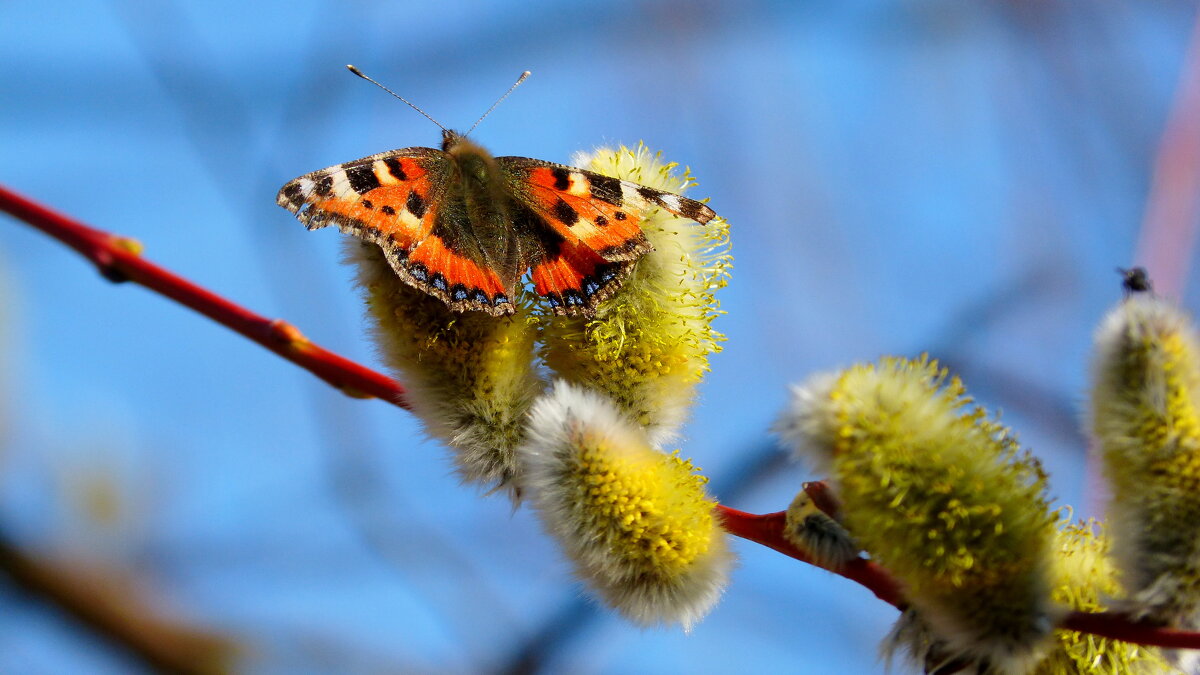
{"x":465,"y":226}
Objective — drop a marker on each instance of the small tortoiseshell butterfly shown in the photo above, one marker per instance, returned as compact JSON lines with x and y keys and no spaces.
{"x":464,"y":226}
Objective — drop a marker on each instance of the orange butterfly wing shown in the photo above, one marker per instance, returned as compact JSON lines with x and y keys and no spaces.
{"x":391,"y":199}
{"x":599,"y":219}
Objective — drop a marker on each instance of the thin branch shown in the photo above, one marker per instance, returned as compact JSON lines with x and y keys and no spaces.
{"x":106,"y":606}
{"x":118,"y":259}
{"x":1117,"y":626}
{"x":767,"y":529}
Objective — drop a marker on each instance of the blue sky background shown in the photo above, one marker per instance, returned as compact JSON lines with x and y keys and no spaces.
{"x":955,"y":177}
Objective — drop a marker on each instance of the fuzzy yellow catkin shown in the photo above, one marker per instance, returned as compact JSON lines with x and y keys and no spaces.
{"x":636,"y":523}
{"x":1085,"y":579}
{"x":470,"y":377}
{"x":1143,"y":417}
{"x":941,"y":496}
{"x":648,"y":346}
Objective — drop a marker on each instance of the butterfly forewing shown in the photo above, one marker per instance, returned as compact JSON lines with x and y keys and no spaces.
{"x":395,"y":199}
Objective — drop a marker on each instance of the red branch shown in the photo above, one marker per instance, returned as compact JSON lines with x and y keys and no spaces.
{"x":119,"y":259}
{"x":767,"y":529}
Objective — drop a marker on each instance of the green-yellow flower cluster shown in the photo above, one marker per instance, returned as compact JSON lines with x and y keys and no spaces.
{"x":941,"y":496}
{"x":1145,"y":390}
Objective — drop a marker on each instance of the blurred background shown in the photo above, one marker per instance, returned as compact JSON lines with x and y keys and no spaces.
{"x":958,"y":178}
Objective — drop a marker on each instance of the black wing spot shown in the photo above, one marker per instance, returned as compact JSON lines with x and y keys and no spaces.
{"x":323,"y":185}
{"x":387,"y":210}
{"x":415,"y":204}
{"x":367,"y":204}
{"x":606,"y":189}
{"x":620,"y":215}
{"x":293,"y":193}
{"x":565,"y":213}
{"x":362,"y":177}
{"x":562,"y":178}
{"x":395,"y":168}
{"x":601,"y":221}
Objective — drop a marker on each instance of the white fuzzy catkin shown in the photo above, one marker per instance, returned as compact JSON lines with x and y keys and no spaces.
{"x":1143,"y":416}
{"x":940,"y":495}
{"x":636,"y":522}
{"x":470,"y":377}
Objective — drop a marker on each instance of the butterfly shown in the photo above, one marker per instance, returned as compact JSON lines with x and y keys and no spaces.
{"x":465,"y":227}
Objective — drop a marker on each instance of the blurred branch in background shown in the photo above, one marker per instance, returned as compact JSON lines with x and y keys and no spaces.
{"x":1057,"y":413}
{"x":1168,"y":234}
{"x":409,"y":545}
{"x":109,"y":606}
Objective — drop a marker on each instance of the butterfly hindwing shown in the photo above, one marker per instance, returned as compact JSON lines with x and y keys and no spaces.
{"x":392,"y":199}
{"x":574,"y":279}
{"x":459,"y":281}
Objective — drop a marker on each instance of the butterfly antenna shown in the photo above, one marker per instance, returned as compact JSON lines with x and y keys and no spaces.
{"x":360,"y":73}
{"x":498,"y":101}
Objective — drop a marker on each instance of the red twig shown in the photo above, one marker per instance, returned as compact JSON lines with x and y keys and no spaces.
{"x":1119,"y":627}
{"x":767,"y":529}
{"x":119,"y":259}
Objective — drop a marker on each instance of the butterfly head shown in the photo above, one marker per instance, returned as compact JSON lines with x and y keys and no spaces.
{"x":471,"y":157}
{"x":451,"y":138}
